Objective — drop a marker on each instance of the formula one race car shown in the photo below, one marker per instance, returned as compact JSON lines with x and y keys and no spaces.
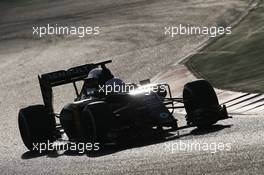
{"x":106,"y":108}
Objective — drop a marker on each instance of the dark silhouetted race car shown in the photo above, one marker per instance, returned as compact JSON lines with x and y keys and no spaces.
{"x":106,"y":108}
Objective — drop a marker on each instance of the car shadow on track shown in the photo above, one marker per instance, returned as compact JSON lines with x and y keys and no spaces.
{"x":126,"y":144}
{"x":215,"y":128}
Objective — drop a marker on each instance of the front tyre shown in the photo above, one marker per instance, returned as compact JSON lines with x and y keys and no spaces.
{"x":201,"y":104}
{"x":35,"y":125}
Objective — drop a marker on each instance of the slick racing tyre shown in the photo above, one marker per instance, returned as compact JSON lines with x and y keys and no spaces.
{"x":200,"y":102}
{"x":96,"y":119}
{"x":35,"y":125}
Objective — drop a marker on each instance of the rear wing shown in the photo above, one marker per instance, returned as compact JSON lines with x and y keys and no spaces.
{"x":61,"y":77}
{"x":71,"y":75}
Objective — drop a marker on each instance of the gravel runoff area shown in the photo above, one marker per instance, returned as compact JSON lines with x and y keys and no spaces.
{"x":235,"y":61}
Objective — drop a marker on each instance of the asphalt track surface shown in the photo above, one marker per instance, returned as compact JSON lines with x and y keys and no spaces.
{"x":133,"y":36}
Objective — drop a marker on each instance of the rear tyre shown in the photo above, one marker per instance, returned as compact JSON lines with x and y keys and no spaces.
{"x":35,"y":125}
{"x":96,"y":119}
{"x":200,"y":102}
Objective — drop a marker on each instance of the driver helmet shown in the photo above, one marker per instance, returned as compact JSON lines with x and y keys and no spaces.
{"x":100,"y":75}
